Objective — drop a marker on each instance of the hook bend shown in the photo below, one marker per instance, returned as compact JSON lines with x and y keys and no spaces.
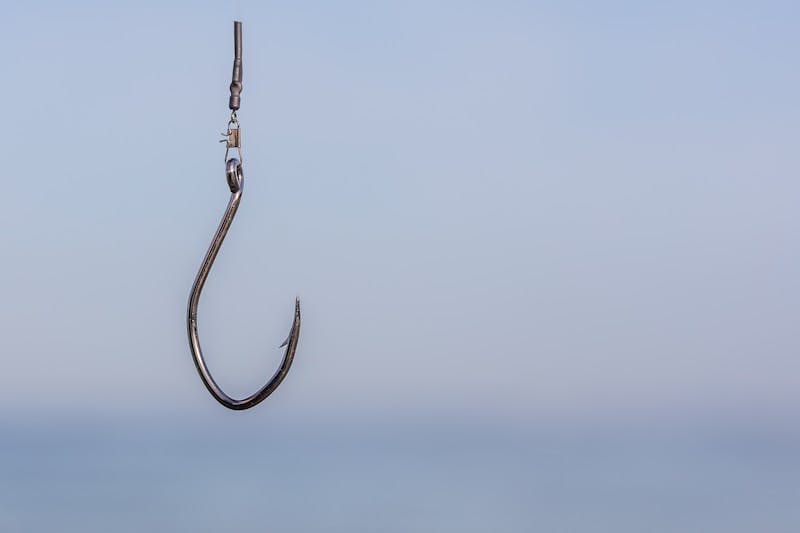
{"x":235,"y":177}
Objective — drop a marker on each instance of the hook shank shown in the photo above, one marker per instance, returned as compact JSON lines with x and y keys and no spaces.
{"x":235,"y":178}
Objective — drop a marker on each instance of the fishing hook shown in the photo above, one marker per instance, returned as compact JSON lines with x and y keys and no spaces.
{"x":235,"y":177}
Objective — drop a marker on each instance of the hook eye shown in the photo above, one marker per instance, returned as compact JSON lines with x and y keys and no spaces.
{"x":234,"y":174}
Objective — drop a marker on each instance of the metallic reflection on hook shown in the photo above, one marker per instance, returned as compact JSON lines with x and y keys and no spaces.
{"x":235,"y":177}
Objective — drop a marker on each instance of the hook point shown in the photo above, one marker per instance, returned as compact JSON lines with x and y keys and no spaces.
{"x":294,"y":324}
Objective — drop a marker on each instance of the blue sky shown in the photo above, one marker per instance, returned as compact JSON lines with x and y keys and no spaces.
{"x":500,"y":209}
{"x":547,"y":255}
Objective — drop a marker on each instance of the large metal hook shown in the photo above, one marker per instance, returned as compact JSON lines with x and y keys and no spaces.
{"x":235,"y":177}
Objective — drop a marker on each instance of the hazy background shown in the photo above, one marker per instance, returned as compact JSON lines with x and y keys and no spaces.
{"x":547,"y":255}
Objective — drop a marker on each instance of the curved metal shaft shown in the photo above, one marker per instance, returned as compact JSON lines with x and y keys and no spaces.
{"x":235,"y":176}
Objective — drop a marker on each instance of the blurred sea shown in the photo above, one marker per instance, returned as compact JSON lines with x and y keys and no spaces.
{"x":396,"y":477}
